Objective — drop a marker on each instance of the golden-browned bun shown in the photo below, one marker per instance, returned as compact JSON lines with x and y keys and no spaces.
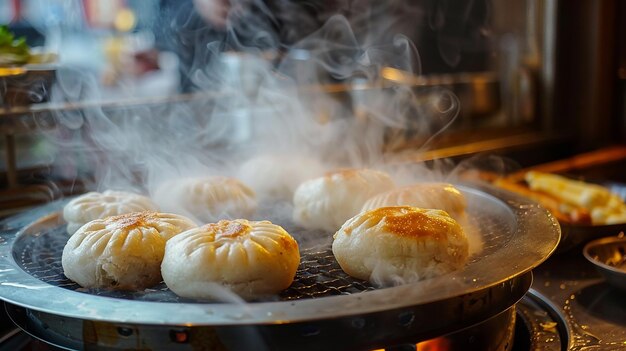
{"x":121,"y":252}
{"x":250,"y":258}
{"x":391,"y":244}
{"x":207,"y":199}
{"x":94,"y":205}
{"x":276,"y":176}
{"x":441,"y":196}
{"x":327,"y":202}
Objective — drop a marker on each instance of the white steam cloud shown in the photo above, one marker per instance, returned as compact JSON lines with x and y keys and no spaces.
{"x":335,"y":98}
{"x":322,"y":100}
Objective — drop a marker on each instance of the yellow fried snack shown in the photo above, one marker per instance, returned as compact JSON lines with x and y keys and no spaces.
{"x":604,"y":207}
{"x":574,"y":192}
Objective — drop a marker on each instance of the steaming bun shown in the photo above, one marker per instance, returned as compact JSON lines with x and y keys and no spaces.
{"x":327,"y":202}
{"x":400,"y":243}
{"x":121,"y":252}
{"x":278,"y":176}
{"x":442,"y":196}
{"x":250,"y":258}
{"x":94,"y":205}
{"x":208,"y":199}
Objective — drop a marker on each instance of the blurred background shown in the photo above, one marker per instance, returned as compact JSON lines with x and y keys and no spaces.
{"x":535,"y":80}
{"x":141,"y":48}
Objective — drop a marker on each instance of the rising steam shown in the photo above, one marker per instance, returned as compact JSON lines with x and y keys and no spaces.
{"x":303,"y":99}
{"x":262,"y":97}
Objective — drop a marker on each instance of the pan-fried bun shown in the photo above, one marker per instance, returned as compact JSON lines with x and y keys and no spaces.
{"x":121,"y":252}
{"x":441,"y":196}
{"x":94,"y":205}
{"x":327,"y":202}
{"x":276,"y":176}
{"x":207,"y":199}
{"x":400,"y":243}
{"x":251,"y":258}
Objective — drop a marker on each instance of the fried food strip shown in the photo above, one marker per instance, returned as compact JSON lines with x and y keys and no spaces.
{"x":573,"y":192}
{"x":603,"y":206}
{"x":567,"y":213}
{"x":613,"y":212}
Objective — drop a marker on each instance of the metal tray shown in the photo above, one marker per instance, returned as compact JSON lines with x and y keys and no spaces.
{"x":574,"y":235}
{"x":517,"y":235}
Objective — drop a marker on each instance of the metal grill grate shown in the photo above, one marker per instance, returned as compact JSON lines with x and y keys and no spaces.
{"x":319,"y":273}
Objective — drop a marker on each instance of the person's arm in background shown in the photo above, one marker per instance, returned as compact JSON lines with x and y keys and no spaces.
{"x":195,"y":29}
{"x":184,"y":30}
{"x":287,"y":20}
{"x":215,"y":12}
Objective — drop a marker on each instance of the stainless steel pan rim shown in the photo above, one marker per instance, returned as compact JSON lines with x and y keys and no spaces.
{"x":534,"y":235}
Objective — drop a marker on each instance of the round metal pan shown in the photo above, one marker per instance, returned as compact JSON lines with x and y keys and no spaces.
{"x":516,"y":235}
{"x":359,"y":332}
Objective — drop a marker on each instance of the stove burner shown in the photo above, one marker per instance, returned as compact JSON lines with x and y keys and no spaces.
{"x":535,"y":328}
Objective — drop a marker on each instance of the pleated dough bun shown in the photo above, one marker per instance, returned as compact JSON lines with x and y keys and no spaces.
{"x":251,"y":258}
{"x":400,"y":244}
{"x":327,"y":202}
{"x":94,"y":205}
{"x":442,"y":196}
{"x":278,"y":176}
{"x":207,"y":199}
{"x":121,"y":252}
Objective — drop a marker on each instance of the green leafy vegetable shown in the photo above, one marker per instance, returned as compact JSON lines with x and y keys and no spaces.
{"x":13,"y":51}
